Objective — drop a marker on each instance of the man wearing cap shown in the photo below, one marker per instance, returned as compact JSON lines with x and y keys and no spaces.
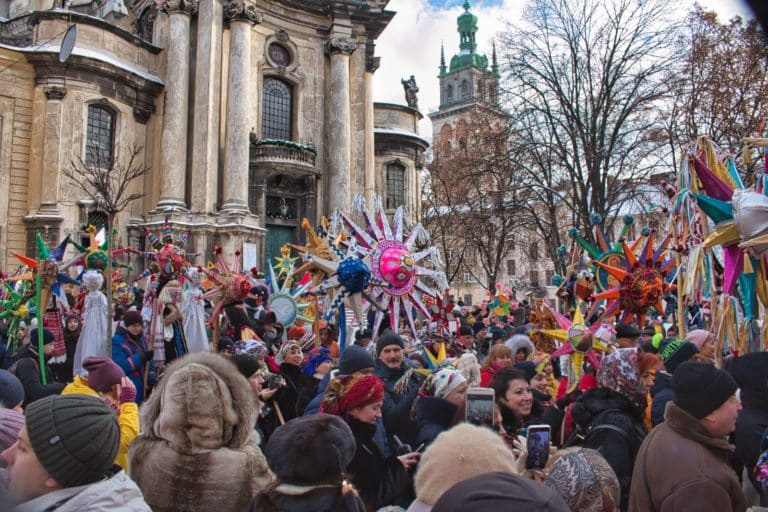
{"x":401,"y":385}
{"x":108,"y":381}
{"x":129,"y":351}
{"x":683,"y":463}
{"x":626,"y":335}
{"x":63,"y":459}
{"x":27,"y":368}
{"x":673,"y":353}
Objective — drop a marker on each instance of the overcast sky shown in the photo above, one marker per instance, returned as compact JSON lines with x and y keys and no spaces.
{"x":410,"y":45}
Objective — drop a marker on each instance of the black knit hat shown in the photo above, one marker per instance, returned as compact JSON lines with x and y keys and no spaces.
{"x":389,"y":338}
{"x":75,"y":437}
{"x":676,"y":352}
{"x":246,"y":364}
{"x":700,"y":388}
{"x":311,"y":450}
{"x":355,"y":358}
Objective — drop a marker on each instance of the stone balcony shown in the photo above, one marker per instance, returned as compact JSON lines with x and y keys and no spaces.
{"x":282,"y":157}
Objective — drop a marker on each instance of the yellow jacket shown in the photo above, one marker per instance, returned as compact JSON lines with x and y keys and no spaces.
{"x":128,"y":418}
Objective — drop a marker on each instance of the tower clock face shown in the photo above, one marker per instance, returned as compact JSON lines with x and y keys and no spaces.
{"x":279,"y":55}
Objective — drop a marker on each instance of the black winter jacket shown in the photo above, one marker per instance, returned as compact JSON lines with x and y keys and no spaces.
{"x":396,"y":409}
{"x":613,"y":425}
{"x":661,"y":393}
{"x":380,"y":481}
{"x":27,"y":369}
{"x":432,"y":415}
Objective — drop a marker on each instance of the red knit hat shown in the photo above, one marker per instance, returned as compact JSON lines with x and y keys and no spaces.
{"x":103,"y":373}
{"x":350,"y":392}
{"x":296,"y":333}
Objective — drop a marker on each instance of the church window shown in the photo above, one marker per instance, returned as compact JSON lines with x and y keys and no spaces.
{"x":279,"y":55}
{"x":277,"y":110}
{"x":449,"y":93}
{"x":100,"y":136}
{"x":395,"y":185}
{"x":464,"y":89}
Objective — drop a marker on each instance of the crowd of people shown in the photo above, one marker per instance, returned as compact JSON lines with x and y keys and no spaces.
{"x":272,"y":419}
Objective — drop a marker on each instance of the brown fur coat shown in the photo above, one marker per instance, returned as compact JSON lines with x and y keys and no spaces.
{"x":199,"y":450}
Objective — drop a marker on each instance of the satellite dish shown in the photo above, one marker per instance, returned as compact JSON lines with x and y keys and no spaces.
{"x":68,"y":43}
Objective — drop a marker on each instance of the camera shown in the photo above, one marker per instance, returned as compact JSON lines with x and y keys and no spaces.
{"x":274,"y":381}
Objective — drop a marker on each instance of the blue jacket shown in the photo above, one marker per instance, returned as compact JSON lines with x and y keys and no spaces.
{"x":661,"y":393}
{"x":128,"y":354}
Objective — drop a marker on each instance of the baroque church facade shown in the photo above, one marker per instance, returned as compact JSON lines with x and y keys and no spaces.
{"x":252,"y":114}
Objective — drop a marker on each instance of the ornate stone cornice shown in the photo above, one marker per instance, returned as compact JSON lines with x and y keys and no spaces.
{"x":55,"y":92}
{"x":179,"y":6}
{"x":242,"y":10}
{"x":343,"y":45}
{"x":372,"y":64}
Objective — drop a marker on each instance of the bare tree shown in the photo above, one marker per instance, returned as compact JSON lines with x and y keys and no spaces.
{"x":472,"y":198}
{"x":584,"y":82}
{"x":108,"y":182}
{"x":720,"y":83}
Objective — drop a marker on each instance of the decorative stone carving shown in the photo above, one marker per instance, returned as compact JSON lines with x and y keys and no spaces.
{"x":180,"y":6}
{"x":282,"y":35}
{"x":341,"y":45}
{"x":242,"y":10}
{"x":142,"y":112}
{"x":55,"y":92}
{"x":372,"y":64}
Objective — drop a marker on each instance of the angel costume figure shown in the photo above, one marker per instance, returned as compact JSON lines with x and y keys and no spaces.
{"x":93,"y":335}
{"x":193,"y":313}
{"x":171,"y":323}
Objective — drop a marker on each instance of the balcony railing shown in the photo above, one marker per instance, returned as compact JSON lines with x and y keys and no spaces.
{"x":263,"y":150}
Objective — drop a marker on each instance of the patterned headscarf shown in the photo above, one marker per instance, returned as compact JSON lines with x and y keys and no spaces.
{"x":619,"y":372}
{"x":284,"y":349}
{"x":254,"y":348}
{"x":585,"y":481}
{"x":441,"y":383}
{"x":350,"y":392}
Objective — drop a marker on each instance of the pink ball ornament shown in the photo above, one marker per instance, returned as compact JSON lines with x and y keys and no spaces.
{"x":395,"y":266}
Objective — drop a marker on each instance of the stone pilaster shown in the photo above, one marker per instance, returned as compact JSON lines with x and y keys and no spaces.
{"x":206,"y":100}
{"x":242,"y":15}
{"x":371,"y":66}
{"x":173,"y":151}
{"x":339,"y":110}
{"x":52,"y":157}
{"x":260,"y":191}
{"x":310,"y":199}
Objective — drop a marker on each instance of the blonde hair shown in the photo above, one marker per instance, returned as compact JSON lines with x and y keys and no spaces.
{"x":496,"y":352}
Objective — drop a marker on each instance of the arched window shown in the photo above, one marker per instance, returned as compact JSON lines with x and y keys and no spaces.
{"x":395,"y":185}
{"x":449,"y":93}
{"x":100,"y":136}
{"x":464,"y":89}
{"x":277,"y":111}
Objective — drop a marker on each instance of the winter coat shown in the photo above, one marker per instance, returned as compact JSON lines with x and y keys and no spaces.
{"x":27,"y":370}
{"x":681,"y":467}
{"x":396,"y":409}
{"x":298,"y":392}
{"x":661,"y":393}
{"x":432,"y":416}
{"x":380,"y":437}
{"x":116,"y":493}
{"x":292,"y":498}
{"x":128,"y":353}
{"x":128,"y":419}
{"x":612,"y":425}
{"x":486,"y":376}
{"x":199,"y":451}
{"x":379,"y":480}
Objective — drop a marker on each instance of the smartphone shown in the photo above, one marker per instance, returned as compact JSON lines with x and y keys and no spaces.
{"x":538,"y":446}
{"x":479,"y":408}
{"x":402,"y":448}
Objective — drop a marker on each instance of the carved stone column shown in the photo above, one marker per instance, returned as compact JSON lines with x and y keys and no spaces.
{"x":173,"y":151}
{"x":260,"y":191}
{"x":310,"y":199}
{"x":339,"y":111}
{"x":49,"y":193}
{"x":242,"y":15}
{"x":204,"y":172}
{"x":371,"y":65}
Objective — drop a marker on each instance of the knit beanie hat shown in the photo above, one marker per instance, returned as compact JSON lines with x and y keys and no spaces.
{"x":478,"y":326}
{"x":132,"y":318}
{"x":698,"y":337}
{"x":11,"y":390}
{"x":389,"y":338}
{"x":355,"y":358}
{"x":700,"y":388}
{"x":619,"y":371}
{"x":465,"y":330}
{"x":585,"y":480}
{"x":311,"y":450}
{"x":11,"y":423}
{"x":103,"y":373}
{"x":75,"y":437}
{"x":497,"y":333}
{"x":676,"y":352}
{"x":457,"y":454}
{"x":48,"y":337}
{"x":528,"y":368}
{"x":442,"y":383}
{"x":502,"y":492}
{"x":350,"y":392}
{"x":296,"y":333}
{"x":246,"y":365}
{"x":321,"y":356}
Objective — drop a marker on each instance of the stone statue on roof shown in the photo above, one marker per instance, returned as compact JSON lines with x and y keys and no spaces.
{"x":411,"y":89}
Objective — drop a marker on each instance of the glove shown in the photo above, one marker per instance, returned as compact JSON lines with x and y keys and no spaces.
{"x":127,"y":395}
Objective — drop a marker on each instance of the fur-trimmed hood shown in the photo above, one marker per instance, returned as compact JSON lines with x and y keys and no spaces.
{"x":199,"y":450}
{"x":519,"y":342}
